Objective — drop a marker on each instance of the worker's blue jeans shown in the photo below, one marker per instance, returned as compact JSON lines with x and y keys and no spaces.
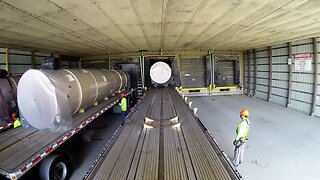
{"x":124,"y":115}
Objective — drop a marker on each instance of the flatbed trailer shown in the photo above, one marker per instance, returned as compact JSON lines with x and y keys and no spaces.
{"x":23,"y":148}
{"x":163,"y":139}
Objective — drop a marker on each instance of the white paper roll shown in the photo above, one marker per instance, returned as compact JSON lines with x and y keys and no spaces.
{"x":160,"y":72}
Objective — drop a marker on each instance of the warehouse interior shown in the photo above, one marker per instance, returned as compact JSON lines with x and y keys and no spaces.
{"x":224,"y":55}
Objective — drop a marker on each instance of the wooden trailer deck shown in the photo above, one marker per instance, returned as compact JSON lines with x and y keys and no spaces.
{"x":163,"y":148}
{"x":22,"y":148}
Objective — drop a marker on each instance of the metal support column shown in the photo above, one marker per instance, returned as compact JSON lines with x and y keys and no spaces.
{"x":255,"y":73}
{"x":249,"y":73}
{"x":315,"y":81}
{"x":290,"y":60}
{"x":70,"y":64}
{"x":80,"y":64}
{"x":7,"y":61}
{"x":211,"y":68}
{"x":243,"y":67}
{"x":33,"y":61}
{"x":142,"y":68}
{"x":270,"y":72}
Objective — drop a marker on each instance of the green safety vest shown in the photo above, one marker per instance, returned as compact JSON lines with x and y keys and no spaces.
{"x":123,"y":104}
{"x":242,"y":130}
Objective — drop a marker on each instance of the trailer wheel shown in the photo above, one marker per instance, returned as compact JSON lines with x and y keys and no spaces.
{"x":55,"y":167}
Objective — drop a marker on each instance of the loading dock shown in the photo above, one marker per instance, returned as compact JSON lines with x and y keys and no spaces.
{"x":276,"y":42}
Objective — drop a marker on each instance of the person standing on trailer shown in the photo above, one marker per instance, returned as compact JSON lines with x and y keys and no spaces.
{"x":123,"y":106}
{"x":241,"y":138}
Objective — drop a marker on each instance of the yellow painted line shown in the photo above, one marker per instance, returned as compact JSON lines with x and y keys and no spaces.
{"x":191,"y":89}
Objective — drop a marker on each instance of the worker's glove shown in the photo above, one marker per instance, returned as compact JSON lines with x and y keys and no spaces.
{"x":237,"y":143}
{"x":243,"y":139}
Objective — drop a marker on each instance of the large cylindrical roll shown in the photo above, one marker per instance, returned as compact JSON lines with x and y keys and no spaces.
{"x":8,"y":96}
{"x":160,"y":72}
{"x":48,"y":98}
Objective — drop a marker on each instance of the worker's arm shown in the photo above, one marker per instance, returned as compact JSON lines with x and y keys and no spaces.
{"x":242,"y":131}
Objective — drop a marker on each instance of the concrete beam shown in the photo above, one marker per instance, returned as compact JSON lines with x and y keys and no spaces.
{"x":160,"y":53}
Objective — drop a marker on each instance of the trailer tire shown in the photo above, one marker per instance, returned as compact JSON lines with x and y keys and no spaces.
{"x":55,"y":167}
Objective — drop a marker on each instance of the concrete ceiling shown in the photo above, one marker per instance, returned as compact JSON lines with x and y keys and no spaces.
{"x":92,"y":27}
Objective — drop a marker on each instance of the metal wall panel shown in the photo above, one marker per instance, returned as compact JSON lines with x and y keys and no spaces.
{"x":20,"y":61}
{"x":279,"y":100}
{"x":264,"y":82}
{"x":280,"y":59}
{"x":300,"y":106}
{"x":263,"y":68}
{"x":262,"y":73}
{"x":280,"y":76}
{"x":284,"y":76}
{"x":303,"y":77}
{"x":281,"y":92}
{"x":262,"y":95}
{"x":193,"y":72}
{"x":262,"y":88}
{"x":302,"y":86}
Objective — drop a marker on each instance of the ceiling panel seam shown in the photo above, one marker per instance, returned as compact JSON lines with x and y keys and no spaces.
{"x":213,"y":23}
{"x":189,"y":22}
{"x":101,"y":44}
{"x":48,"y":22}
{"x":140,"y":24}
{"x":249,"y":25}
{"x":117,"y":26}
{"x":258,"y":36}
{"x":313,"y":29}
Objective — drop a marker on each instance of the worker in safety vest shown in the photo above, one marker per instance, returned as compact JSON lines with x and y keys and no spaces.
{"x":123,"y":106}
{"x":16,"y":122}
{"x":242,"y":136}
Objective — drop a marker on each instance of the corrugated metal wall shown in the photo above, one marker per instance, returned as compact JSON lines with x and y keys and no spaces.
{"x":2,"y":58}
{"x":193,"y":72}
{"x":280,"y":74}
{"x":20,"y":61}
{"x":302,"y":81}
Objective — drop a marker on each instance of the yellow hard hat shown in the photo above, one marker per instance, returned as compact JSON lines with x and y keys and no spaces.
{"x":244,"y":112}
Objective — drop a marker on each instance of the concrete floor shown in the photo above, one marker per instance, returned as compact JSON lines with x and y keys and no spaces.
{"x":283,"y":143}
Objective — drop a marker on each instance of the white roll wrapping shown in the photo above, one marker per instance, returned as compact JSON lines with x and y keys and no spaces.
{"x":48,"y":98}
{"x":160,"y":72}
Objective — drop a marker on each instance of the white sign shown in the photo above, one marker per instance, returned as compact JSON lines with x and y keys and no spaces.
{"x":302,"y":62}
